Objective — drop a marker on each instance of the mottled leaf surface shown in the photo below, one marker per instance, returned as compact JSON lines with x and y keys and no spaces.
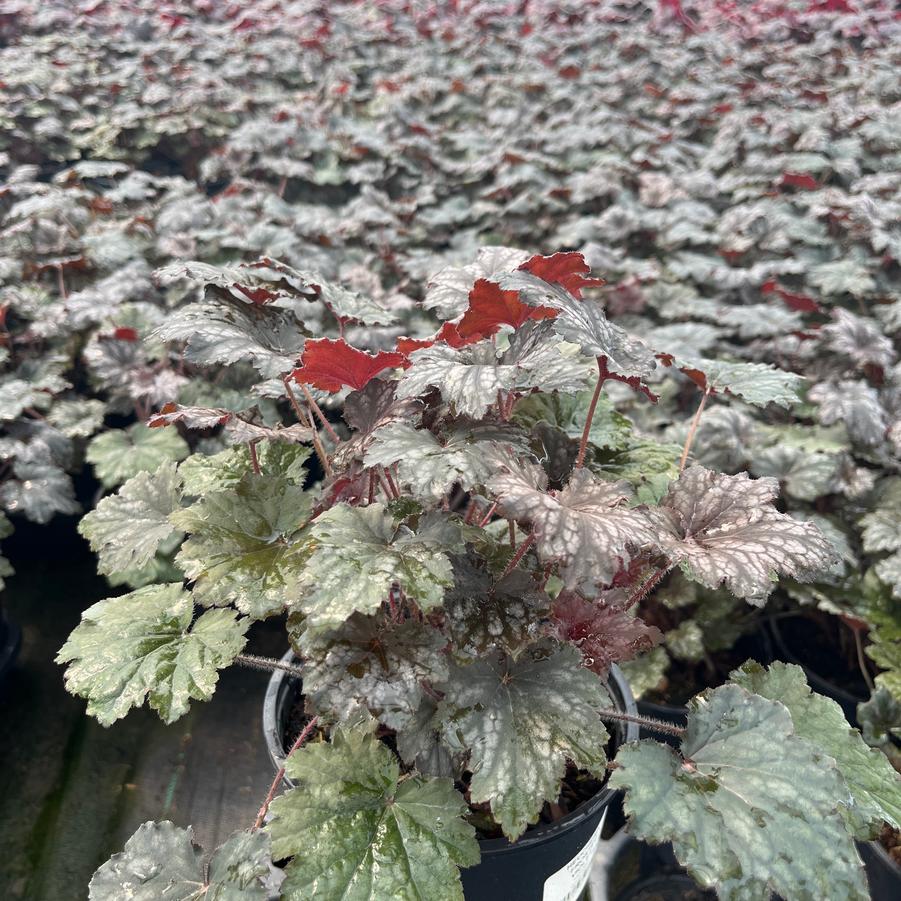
{"x":143,"y":644}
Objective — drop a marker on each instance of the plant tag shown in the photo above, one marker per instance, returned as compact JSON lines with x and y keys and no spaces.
{"x":569,"y":881}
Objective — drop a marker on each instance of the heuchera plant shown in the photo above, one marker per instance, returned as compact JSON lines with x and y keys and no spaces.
{"x":457,"y":586}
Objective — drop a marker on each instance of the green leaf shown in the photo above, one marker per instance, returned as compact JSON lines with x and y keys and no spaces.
{"x":77,"y":418}
{"x":521,"y":721}
{"x":880,"y":718}
{"x":143,"y":644}
{"x":161,"y":861}
{"x":119,"y":454}
{"x":646,"y":464}
{"x":749,"y":806}
{"x":126,"y":529}
{"x":646,"y":672}
{"x":218,"y":472}
{"x":242,"y":547}
{"x":360,"y":552}
{"x":370,"y":663}
{"x":587,"y":526}
{"x":609,"y":428}
{"x":359,"y":833}
{"x":874,"y":784}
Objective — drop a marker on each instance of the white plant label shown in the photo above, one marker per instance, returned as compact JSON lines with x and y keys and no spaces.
{"x":570,"y":880}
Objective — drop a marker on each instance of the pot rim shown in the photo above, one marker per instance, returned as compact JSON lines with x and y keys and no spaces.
{"x":622,"y":698}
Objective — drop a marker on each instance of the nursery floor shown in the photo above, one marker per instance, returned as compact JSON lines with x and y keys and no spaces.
{"x":72,"y":792}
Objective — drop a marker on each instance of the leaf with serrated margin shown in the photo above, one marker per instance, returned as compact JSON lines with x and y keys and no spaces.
{"x":752,"y":808}
{"x":359,"y":553}
{"x":359,"y":833}
{"x":609,"y":428}
{"x":243,"y":546}
{"x":448,"y":290}
{"x":484,"y":616}
{"x":126,"y":529}
{"x":755,"y":383}
{"x":227,"y":331}
{"x":431,"y":465}
{"x":856,"y":404}
{"x":874,"y":784}
{"x":880,"y":718}
{"x":583,"y":322}
{"x":202,"y":474}
{"x":545,"y":362}
{"x":144,"y":644}
{"x":419,"y":744}
{"x":368,"y":662}
{"x":119,"y":454}
{"x":603,"y":629}
{"x":521,"y":721}
{"x":587,"y":526}
{"x":161,"y":861}
{"x":725,"y":530}
{"x":468,"y":378}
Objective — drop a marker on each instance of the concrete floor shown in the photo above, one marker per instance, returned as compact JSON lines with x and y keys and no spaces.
{"x":72,"y":792}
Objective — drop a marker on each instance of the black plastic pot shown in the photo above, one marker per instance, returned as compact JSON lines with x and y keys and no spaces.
{"x":557,"y":855}
{"x":883,"y":874}
{"x":847,"y":700}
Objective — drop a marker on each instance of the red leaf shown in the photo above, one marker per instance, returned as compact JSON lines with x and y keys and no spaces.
{"x":799,"y":180}
{"x":800,"y":302}
{"x":124,"y":333}
{"x":566,"y":269}
{"x":257,"y":296}
{"x":449,"y":334}
{"x":603,"y":631}
{"x":330,"y":365}
{"x":490,"y":307}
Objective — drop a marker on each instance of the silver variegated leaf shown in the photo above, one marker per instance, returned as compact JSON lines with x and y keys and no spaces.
{"x":587,"y":526}
{"x":521,"y":721}
{"x":725,"y":530}
{"x":874,"y":783}
{"x":161,"y":861}
{"x":358,"y":832}
{"x":369,"y":663}
{"x":750,"y":807}
{"x":144,"y":644}
{"x":360,"y":553}
{"x":583,"y":322}
{"x":119,"y":454}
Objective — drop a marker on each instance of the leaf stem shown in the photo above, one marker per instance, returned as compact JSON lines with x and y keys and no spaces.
{"x":520,"y":553}
{"x":301,"y":415}
{"x":861,"y":661}
{"x":646,"y":588}
{"x":583,"y":444}
{"x":268,"y":664}
{"x":692,"y":429}
{"x":648,"y":722}
{"x":395,"y":493}
{"x":487,"y":517}
{"x":254,"y":459}
{"x":261,"y":815}
{"x":318,"y":411}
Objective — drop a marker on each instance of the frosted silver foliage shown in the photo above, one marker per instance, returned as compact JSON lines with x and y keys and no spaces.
{"x":756,"y":383}
{"x":126,"y":529}
{"x":521,"y":722}
{"x":750,"y":807}
{"x":583,"y":322}
{"x":161,"y":861}
{"x":856,"y":404}
{"x":725,"y":530}
{"x":448,"y":290}
{"x":360,"y":554}
{"x":587,"y":526}
{"x":469,"y":378}
{"x":144,"y":644}
{"x":361,"y":833}
{"x":373,"y":664}
{"x":874,"y":784}
{"x":431,"y":466}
